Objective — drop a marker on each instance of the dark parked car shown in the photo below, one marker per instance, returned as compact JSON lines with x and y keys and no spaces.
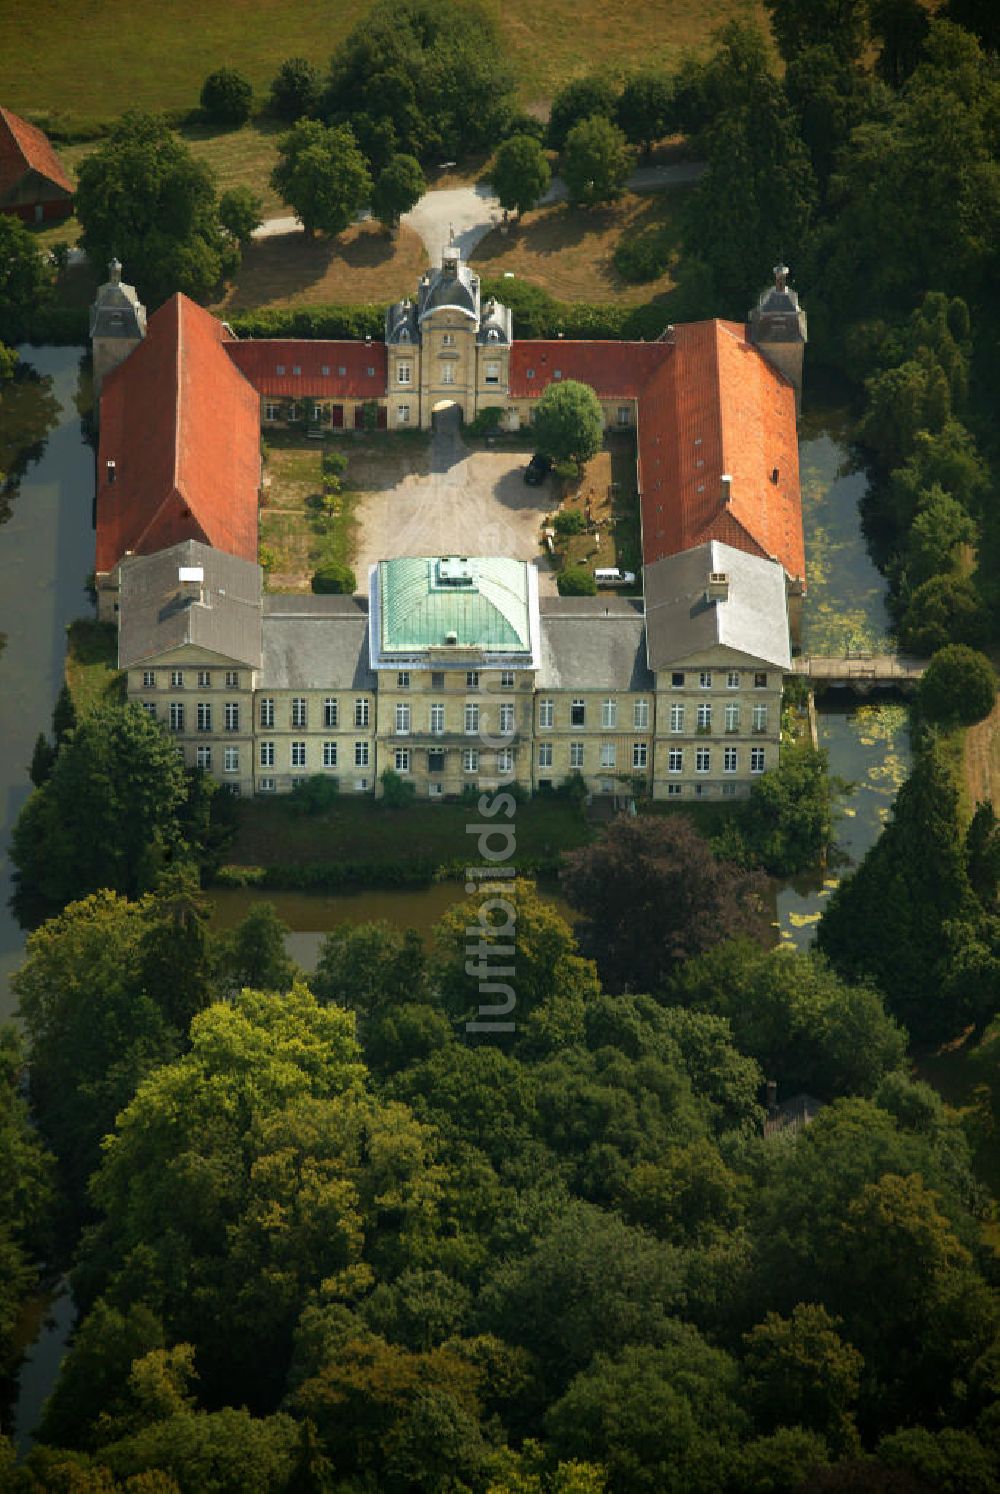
{"x":537,"y":470}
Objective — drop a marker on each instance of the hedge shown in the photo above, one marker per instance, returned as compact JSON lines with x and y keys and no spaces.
{"x":354,"y":876}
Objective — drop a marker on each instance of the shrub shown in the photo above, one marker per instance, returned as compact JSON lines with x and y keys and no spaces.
{"x":946,"y":609}
{"x":643,"y":255}
{"x":369,"y":414}
{"x":314,"y":795}
{"x":335,"y":577}
{"x":576,"y":581}
{"x":240,"y":212}
{"x":334,"y":464}
{"x":958,"y":687}
{"x":227,"y":97}
{"x":574,"y":788}
{"x":569,"y":521}
{"x":295,"y":89}
{"x":267,"y":557}
{"x":486,"y":423}
{"x":397,"y":792}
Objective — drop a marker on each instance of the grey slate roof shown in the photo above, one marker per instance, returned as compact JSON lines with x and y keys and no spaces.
{"x":453,"y":284}
{"x":401,"y":323}
{"x":156,"y":613}
{"x":680,"y":622}
{"x":592,"y":643}
{"x":316,"y":642}
{"x":778,"y":317}
{"x":497,"y":325}
{"x":117,"y":310}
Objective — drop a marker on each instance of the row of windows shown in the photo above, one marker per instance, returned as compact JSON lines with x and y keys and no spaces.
{"x":299,"y":756}
{"x":703,"y":760}
{"x":299,"y":712}
{"x":675,"y":790}
{"x":703,"y":718}
{"x":472,"y":717}
{"x":734,"y":679}
{"x":609,"y":755}
{"x":202,"y":676}
{"x":404,"y":679}
{"x":324,"y":370}
{"x":609,"y":714}
{"x":230,"y":759}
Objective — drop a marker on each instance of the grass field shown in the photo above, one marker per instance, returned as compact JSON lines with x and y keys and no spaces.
{"x":92,"y":671}
{"x":362,"y":264}
{"x":570,"y":252}
{"x":93,"y":58}
{"x":607,"y":493}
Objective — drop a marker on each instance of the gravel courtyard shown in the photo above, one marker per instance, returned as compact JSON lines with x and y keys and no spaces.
{"x":467,"y":503}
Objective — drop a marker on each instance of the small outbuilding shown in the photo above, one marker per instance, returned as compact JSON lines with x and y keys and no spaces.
{"x":33,"y":182}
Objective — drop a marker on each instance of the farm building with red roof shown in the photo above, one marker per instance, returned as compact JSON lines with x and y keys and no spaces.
{"x":33,"y":182}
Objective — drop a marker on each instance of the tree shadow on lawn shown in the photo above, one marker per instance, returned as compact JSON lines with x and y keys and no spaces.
{"x":362,"y":264}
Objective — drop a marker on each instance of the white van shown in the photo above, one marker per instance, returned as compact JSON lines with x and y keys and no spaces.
{"x":610,"y":575}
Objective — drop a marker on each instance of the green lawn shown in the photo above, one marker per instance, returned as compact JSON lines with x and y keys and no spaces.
{"x":92,"y":671}
{"x":270,"y":833}
{"x":295,"y":534}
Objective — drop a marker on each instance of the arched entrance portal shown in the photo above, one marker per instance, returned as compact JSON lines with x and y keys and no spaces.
{"x":446,"y":417}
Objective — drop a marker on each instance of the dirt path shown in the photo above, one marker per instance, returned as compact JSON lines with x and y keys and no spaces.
{"x":982,"y":759}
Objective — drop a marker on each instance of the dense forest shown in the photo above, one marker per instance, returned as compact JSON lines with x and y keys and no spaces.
{"x":693,"y":1225}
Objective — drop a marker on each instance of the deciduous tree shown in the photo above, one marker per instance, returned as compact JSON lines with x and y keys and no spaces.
{"x":960,"y":685}
{"x":24,"y":283}
{"x":595,"y":162}
{"x":241,"y":212}
{"x":322,"y":174}
{"x":521,"y":173}
{"x":296,"y":89}
{"x":568,"y":423}
{"x":643,"y":110}
{"x":582,"y":99}
{"x":399,"y":186}
{"x":227,"y":97}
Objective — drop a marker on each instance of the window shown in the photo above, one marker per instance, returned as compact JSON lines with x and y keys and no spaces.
{"x":403,"y":718}
{"x":204,"y":679}
{"x":492,"y":373}
{"x":403,"y":414}
{"x":293,"y":414}
{"x":609,"y":714}
{"x":361,"y":785}
{"x":361,"y":754}
{"x":331,"y":714}
{"x":266,"y":785}
{"x":361,"y":712}
{"x":203,"y":757}
{"x":545,"y":715}
{"x":437,"y":720}
{"x":176,"y":716}
{"x":448,"y":373}
{"x":370,"y":371}
{"x":231,"y":760}
{"x":545,"y":755}
{"x":675,"y":760}
{"x":732,"y":718}
{"x":471,"y":720}
{"x":325,"y":370}
{"x":732,"y":679}
{"x":638,"y":754}
{"x":435,"y":790}
{"x":437,"y":679}
{"x":760,"y":718}
{"x":435,"y":762}
{"x":624,"y":415}
{"x":609,"y":755}
{"x":149,"y":706}
{"x":329,"y":754}
{"x":506,"y":720}
{"x":505,"y":761}
{"x":232,"y":679}
{"x":341,"y":369}
{"x":319,"y":413}
{"x":177,"y":679}
{"x":506,"y":679}
{"x":403,"y":680}
{"x":674,"y":790}
{"x":640,"y":715}
{"x":705,"y":679}
{"x":149,"y":679}
{"x":267,"y":713}
{"x":676,"y":718}
{"x":704,"y":718}
{"x":760,"y":679}
{"x":470,"y":760}
{"x":298,"y":754}
{"x":729,"y":791}
{"x":677,"y":679}
{"x":576,"y":754}
{"x":472,"y":679}
{"x":756,"y":759}
{"x":402,"y":759}
{"x":529,"y":373}
{"x":272,"y":410}
{"x":204,"y":716}
{"x":578,"y":713}
{"x":703,"y":760}
{"x":232,"y":715}
{"x":730,"y":760}
{"x":299,"y":711}
{"x":448,"y":340}
{"x":267,"y":754}
{"x":403,"y":372}
{"x":280,"y":369}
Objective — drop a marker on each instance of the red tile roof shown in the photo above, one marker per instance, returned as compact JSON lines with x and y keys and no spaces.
{"x":24,"y":148}
{"x":269,"y":364}
{"x":182,"y":426}
{"x":709,"y":405}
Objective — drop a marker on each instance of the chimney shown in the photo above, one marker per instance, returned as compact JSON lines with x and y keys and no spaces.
{"x":772,"y":1096}
{"x":780,"y":277}
{"x":451,"y":639}
{"x":191,"y":580}
{"x":112,"y":471}
{"x":718,"y":586}
{"x":727,"y":487}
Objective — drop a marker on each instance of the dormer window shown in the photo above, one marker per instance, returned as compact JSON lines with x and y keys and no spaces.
{"x":529,"y":373}
{"x":325,"y":370}
{"x":370,"y":371}
{"x":557,"y":373}
{"x":280,"y":369}
{"x":342,"y":370}
{"x":296,"y":368}
{"x":493,"y":335}
{"x":404,"y":336}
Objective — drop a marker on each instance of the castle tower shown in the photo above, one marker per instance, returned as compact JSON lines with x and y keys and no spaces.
{"x":777,"y":326}
{"x":117,"y":325}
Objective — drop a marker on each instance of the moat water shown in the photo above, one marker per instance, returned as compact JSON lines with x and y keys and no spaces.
{"x":46,"y":554}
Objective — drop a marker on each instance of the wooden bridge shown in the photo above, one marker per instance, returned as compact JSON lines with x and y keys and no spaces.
{"x":856,"y":670}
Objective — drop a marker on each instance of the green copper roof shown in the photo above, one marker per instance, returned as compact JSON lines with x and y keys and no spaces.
{"x":466,"y":602}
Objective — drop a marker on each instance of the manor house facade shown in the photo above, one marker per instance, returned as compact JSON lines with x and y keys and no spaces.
{"x":451,"y":670}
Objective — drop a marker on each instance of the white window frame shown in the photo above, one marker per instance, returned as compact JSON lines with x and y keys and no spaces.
{"x":760,"y":719}
{"x":361,"y":754}
{"x":331,"y":712}
{"x":470,"y":760}
{"x":640,"y":755}
{"x":266,"y":754}
{"x":402,"y":759}
{"x":471,"y":719}
{"x":732,"y":679}
{"x":609,"y":714}
{"x":231,"y":760}
{"x":177,"y":715}
{"x":578,"y":712}
{"x":545,"y":715}
{"x":203,"y":716}
{"x":677,"y":717}
{"x":177,"y":679}
{"x":640,"y":715}
{"x":149,"y":679}
{"x":402,"y":414}
{"x":505,"y":761}
{"x":267,"y":713}
{"x":404,"y":373}
{"x":437,"y":719}
{"x":609,"y":755}
{"x":506,"y":679}
{"x":232,"y":679}
{"x":756,"y":760}
{"x":705,"y":679}
{"x":732,"y":716}
{"x":703,"y":760}
{"x":545,"y":754}
{"x":448,"y":373}
{"x":232,"y":715}
{"x":675,"y":760}
{"x":506,"y":719}
{"x":204,"y":679}
{"x":730,"y":760}
{"x":403,"y":718}
{"x":576,"y":755}
{"x":704,"y":718}
{"x":329,"y":754}
{"x":472,"y":679}
{"x":298,"y":754}
{"x":299,"y":713}
{"x":361,"y":714}
{"x":203,"y":758}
